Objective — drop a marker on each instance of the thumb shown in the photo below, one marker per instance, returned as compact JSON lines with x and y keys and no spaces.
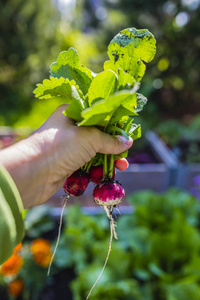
{"x":113,"y":144}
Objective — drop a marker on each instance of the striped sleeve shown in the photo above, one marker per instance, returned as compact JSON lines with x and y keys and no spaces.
{"x":11,"y":222}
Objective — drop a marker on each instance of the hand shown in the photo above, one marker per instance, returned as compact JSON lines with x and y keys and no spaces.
{"x":40,"y":164}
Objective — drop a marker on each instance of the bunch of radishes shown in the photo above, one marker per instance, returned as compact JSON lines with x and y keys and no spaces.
{"x":107,"y":100}
{"x":107,"y":191}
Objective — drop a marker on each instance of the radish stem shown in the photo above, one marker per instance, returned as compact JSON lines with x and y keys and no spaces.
{"x":111,"y":165}
{"x":105,"y":166}
{"x":88,"y":165}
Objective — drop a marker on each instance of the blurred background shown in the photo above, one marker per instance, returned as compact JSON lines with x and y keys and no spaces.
{"x":32,"y":34}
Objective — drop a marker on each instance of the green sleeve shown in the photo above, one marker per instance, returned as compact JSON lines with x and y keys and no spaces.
{"x":11,"y":222}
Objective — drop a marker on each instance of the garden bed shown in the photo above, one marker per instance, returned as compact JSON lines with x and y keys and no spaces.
{"x":186,"y":152}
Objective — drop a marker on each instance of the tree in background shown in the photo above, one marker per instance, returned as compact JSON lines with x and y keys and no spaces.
{"x":27,"y":44}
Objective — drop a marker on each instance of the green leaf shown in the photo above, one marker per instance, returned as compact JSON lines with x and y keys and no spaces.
{"x":75,"y":107}
{"x":117,"y":129}
{"x":126,"y":81}
{"x":135,"y":131}
{"x":68,"y":66}
{"x":183,"y":291}
{"x":55,"y":88}
{"x":129,"y":49}
{"x":102,"y":86}
{"x":141,"y":101}
{"x":123,"y":155}
{"x":155,"y":269}
{"x":127,"y":108}
{"x":102,"y":111}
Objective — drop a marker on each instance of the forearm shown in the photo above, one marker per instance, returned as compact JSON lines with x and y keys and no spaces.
{"x":25,"y":164}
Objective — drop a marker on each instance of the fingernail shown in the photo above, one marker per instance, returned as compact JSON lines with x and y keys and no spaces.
{"x":122,"y":139}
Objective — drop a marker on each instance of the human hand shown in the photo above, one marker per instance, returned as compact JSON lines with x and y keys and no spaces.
{"x":41,"y":163}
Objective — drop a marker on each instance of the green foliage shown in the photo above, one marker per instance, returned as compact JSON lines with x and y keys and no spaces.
{"x":171,"y":132}
{"x":39,"y":113}
{"x":60,"y":87}
{"x":101,"y":112}
{"x":182,"y":138}
{"x":129,"y":50}
{"x":28,"y":34}
{"x":102,"y":86}
{"x":68,"y":66}
{"x":156,"y":256}
{"x":38,"y":221}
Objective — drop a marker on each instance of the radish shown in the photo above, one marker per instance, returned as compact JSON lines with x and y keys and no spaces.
{"x":96,"y":173}
{"x":108,"y":193}
{"x":76,"y":184}
{"x":121,"y":164}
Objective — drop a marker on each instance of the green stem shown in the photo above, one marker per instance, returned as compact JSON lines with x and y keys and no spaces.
{"x":88,"y":165}
{"x":105,"y":166}
{"x":111,"y":162}
{"x":111,"y":165}
{"x":109,"y":171}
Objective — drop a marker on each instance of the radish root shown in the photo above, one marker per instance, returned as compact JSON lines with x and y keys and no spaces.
{"x":59,"y":233}
{"x":112,"y":234}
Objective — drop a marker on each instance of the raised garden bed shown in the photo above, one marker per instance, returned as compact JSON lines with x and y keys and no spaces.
{"x":183,"y":141}
{"x":187,"y":152}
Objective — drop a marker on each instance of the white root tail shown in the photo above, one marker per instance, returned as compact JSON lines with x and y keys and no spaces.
{"x":112,"y":233}
{"x":59,"y":233}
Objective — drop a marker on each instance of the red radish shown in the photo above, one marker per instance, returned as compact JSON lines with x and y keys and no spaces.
{"x":121,"y":164}
{"x":96,"y":174}
{"x":108,"y":193}
{"x":76,"y":184}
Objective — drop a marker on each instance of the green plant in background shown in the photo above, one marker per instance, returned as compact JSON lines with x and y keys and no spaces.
{"x":171,"y":132}
{"x":156,"y":257}
{"x":182,"y":138}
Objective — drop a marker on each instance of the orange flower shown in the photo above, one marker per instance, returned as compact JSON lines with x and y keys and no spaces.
{"x":18,"y":248}
{"x":12,"y":266}
{"x":16,"y":287}
{"x":41,"y":250}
